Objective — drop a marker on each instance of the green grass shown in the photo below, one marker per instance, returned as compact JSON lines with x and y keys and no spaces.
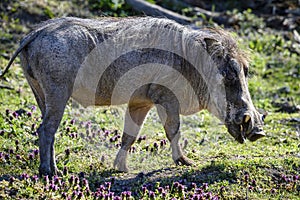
{"x":266,"y":169}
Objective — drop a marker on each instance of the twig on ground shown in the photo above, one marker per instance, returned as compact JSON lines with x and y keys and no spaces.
{"x":155,"y":10}
{"x":6,"y":87}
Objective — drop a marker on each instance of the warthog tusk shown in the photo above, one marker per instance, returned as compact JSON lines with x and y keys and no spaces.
{"x":247,"y":118}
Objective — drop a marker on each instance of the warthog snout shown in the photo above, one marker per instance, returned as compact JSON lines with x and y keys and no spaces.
{"x":253,"y":127}
{"x":247,"y":126}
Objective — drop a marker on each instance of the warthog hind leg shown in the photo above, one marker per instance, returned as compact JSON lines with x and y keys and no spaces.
{"x":134,"y":119}
{"x":55,"y":105}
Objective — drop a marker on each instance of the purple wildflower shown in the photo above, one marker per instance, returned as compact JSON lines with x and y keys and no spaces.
{"x":85,"y":183}
{"x":46,"y":179}
{"x":132,"y":149}
{"x":180,"y":188}
{"x":246,"y":178}
{"x":88,"y":192}
{"x":108,"y":185}
{"x":35,"y":152}
{"x":72,"y":121}
{"x":29,"y":114}
{"x":101,"y":188}
{"x":222,"y":189}
{"x":273,"y":191}
{"x":167,"y":187}
{"x":31,"y":156}
{"x":35,"y":178}
{"x":144,"y":189}
{"x":123,"y":194}
{"x":7,"y":111}
{"x":283,"y":177}
{"x":6,"y":157}
{"x":128,"y":194}
{"x":162,"y":143}
{"x":33,"y":108}
{"x":151,"y":195}
{"x":24,"y":176}
{"x":67,"y":151}
{"x":194,"y":185}
{"x":71,"y":180}
{"x":208,"y":195}
{"x":160,"y":189}
{"x":76,"y":180}
{"x":81,"y":174}
{"x":64,"y":195}
{"x":176,"y":184}
{"x":11,"y":179}
{"x":53,"y":187}
{"x":65,"y":170}
{"x":215,"y":198}
{"x":57,"y":180}
{"x":33,"y":127}
{"x":74,"y":194}
{"x":15,"y":114}
{"x":106,"y":133}
{"x":111,"y":194}
{"x":205,"y":186}
{"x":80,"y":195}
{"x":199,"y":191}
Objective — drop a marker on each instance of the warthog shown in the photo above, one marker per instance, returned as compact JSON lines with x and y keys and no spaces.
{"x":144,"y":62}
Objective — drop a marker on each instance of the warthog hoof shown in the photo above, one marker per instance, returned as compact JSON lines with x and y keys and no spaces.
{"x":120,"y":161}
{"x":183,"y":160}
{"x":47,"y":171}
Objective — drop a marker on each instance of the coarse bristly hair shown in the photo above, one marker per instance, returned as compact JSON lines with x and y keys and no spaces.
{"x":225,"y":45}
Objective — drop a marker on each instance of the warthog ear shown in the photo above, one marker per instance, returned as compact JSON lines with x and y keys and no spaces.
{"x":214,"y":47}
{"x":209,"y":42}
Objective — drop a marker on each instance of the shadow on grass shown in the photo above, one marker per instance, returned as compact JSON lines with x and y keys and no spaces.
{"x":184,"y":175}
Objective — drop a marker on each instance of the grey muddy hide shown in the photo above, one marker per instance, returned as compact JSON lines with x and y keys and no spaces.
{"x":143,"y":62}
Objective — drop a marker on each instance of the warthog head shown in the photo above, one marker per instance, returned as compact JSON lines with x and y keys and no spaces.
{"x":242,"y":119}
{"x":238,"y":113}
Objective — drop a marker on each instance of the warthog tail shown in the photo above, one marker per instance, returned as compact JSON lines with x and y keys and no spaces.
{"x":24,"y":42}
{"x":29,"y":38}
{"x":11,"y":61}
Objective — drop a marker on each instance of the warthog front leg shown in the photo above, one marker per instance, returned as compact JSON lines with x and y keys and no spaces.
{"x":169,"y":116}
{"x":134,"y":119}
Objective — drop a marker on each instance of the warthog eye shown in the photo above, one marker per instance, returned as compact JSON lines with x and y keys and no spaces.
{"x":229,"y":75}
